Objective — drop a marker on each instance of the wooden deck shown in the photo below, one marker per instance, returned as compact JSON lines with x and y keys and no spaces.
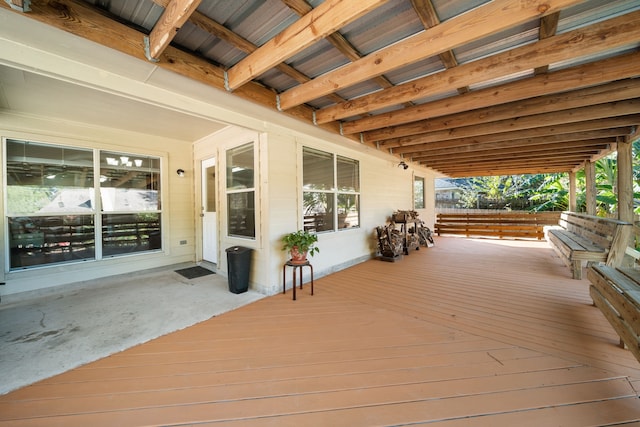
{"x":469,"y":332}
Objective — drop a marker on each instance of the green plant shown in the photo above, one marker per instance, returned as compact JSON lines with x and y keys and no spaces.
{"x":302,"y":239}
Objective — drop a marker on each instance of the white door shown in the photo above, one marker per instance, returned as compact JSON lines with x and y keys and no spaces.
{"x":209,"y":217}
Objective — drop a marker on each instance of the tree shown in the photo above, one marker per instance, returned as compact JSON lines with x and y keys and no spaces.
{"x":545,"y":192}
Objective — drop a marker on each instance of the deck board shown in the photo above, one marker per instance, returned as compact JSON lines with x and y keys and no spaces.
{"x":469,"y":332}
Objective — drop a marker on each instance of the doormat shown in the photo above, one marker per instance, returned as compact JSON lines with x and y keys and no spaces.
{"x":193,"y":272}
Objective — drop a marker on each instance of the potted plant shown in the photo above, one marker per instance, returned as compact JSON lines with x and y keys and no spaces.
{"x":299,"y":244}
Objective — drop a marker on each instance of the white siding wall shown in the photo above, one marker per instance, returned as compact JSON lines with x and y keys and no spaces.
{"x":384,"y":186}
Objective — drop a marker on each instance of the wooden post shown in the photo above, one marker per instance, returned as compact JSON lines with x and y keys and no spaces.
{"x":625,"y":190}
{"x":625,"y":182}
{"x":572,"y":192}
{"x":590,"y":190}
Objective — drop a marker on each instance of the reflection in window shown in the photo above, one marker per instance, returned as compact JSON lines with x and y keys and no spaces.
{"x":317,"y":167}
{"x":418,"y":193}
{"x":41,"y":240}
{"x":129,"y":183}
{"x":127,"y":233}
{"x":241,"y":192}
{"x":52,"y":208}
{"x":331,"y":191}
{"x":44,"y":178}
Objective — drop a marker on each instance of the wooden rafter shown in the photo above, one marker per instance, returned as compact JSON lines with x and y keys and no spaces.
{"x":321,"y":21}
{"x":548,"y":28}
{"x":616,"y":91}
{"x":301,"y":7}
{"x":581,"y":76}
{"x":174,"y":16}
{"x":512,"y":152}
{"x":585,"y":137}
{"x":573,"y":115}
{"x":223,"y":33}
{"x":429,"y":18}
{"x":473,"y":25}
{"x":506,"y":135}
{"x":570,"y":158}
{"x":519,"y":168}
{"x":584,"y":41}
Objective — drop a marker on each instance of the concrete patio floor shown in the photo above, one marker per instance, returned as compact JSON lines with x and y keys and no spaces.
{"x":44,"y":336}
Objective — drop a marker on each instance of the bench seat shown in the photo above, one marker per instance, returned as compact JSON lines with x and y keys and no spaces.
{"x":580,"y":238}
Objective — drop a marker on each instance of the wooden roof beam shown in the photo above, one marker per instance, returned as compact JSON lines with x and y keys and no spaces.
{"x":544,"y":131}
{"x":174,"y":16}
{"x":469,"y":166}
{"x":223,"y":33}
{"x":574,"y":115}
{"x":615,"y":32}
{"x":524,"y":169}
{"x":472,"y":25}
{"x":508,"y":169}
{"x":320,"y":22}
{"x":492,"y":155}
{"x":583,"y":138}
{"x":516,"y":168}
{"x":516,"y":149}
{"x":616,"y":91}
{"x":594,"y":73}
{"x":301,"y":7}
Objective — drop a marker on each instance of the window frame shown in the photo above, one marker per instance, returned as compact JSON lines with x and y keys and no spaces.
{"x":335,"y":192}
{"x":248,"y":191}
{"x":61,"y":218}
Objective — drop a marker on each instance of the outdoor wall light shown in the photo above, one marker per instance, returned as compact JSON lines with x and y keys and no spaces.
{"x":403,"y":165}
{"x":180,"y":172}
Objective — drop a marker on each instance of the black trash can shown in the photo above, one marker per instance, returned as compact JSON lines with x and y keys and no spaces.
{"x":238,"y":268}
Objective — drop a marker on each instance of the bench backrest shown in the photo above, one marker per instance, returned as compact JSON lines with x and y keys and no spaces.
{"x":632,"y":251}
{"x":611,"y":234}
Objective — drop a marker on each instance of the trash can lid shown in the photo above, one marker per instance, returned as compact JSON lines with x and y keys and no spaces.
{"x":237,"y":249}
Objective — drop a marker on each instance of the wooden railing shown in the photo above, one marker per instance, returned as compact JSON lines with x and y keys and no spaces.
{"x":497,"y":224}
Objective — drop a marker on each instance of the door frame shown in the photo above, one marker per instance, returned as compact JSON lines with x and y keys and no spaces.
{"x":204,"y":165}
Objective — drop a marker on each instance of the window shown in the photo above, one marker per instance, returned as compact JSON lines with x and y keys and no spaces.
{"x":418,"y":193}
{"x":52,"y":209}
{"x":241,"y":192}
{"x":331,"y":191}
{"x":130,"y":198}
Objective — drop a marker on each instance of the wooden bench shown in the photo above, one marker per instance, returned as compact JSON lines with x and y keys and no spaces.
{"x":616,"y":292}
{"x":498,"y":224}
{"x":583,"y":238}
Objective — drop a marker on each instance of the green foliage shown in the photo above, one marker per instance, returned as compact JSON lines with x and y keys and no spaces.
{"x":549,"y":192}
{"x":28,"y":199}
{"x":511,"y":192}
{"x":303,"y":240}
